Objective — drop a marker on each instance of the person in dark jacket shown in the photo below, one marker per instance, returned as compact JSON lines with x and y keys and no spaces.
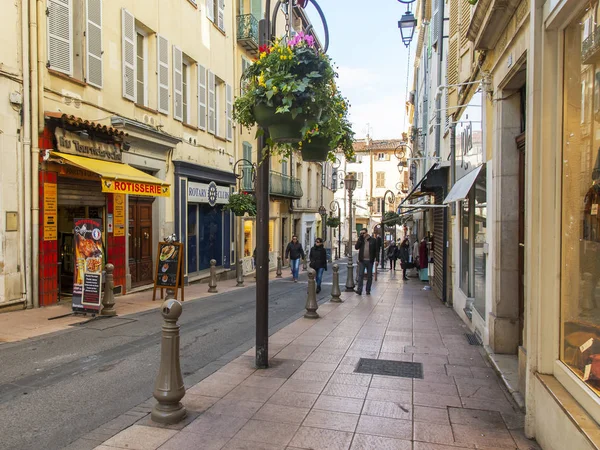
{"x":392,"y":254}
{"x":367,"y":253}
{"x":318,"y":261}
{"x":294,"y":253}
{"x":404,"y":256}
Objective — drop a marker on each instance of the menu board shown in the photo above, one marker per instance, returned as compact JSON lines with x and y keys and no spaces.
{"x":169,"y":267}
{"x":50,"y":224}
{"x":119,"y":215}
{"x":89,"y":252}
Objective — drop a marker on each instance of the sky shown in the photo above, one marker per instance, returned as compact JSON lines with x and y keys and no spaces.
{"x":372,"y":62}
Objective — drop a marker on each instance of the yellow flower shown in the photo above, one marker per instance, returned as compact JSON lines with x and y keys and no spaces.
{"x":275,"y":89}
{"x":261,"y":80}
{"x":263,"y":55}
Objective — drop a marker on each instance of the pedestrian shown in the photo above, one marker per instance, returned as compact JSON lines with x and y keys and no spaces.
{"x":392,"y":254}
{"x":294,"y":253}
{"x":404,"y":254}
{"x":318,"y":261}
{"x":367,"y":253}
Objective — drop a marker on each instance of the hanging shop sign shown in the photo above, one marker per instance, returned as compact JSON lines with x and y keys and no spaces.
{"x":119,"y":215}
{"x":89,"y":252}
{"x":68,"y":142}
{"x":50,"y":212}
{"x":135,"y":188}
{"x":209,"y":193}
{"x":169,"y":268}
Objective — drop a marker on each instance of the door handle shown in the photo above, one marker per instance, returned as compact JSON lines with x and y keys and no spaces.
{"x":521,"y":244}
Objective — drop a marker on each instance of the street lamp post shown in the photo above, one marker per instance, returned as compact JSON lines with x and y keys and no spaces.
{"x":350,"y":184}
{"x":335,"y":206}
{"x":383,"y":226}
{"x":323,"y":214}
{"x":248,"y":169}
{"x":266,"y":29}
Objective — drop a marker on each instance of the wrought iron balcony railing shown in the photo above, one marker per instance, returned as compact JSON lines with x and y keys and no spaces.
{"x":280,"y":185}
{"x":590,"y":48}
{"x":247,"y":33}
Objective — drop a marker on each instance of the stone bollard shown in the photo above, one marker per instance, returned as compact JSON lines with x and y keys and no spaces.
{"x":350,"y":276}
{"x":335,"y":289}
{"x":169,"y":388}
{"x":304,"y":266}
{"x":278,"y":273}
{"x":311,"y":299}
{"x":240,"y":276}
{"x":108,"y":299}
{"x":212,"y":281}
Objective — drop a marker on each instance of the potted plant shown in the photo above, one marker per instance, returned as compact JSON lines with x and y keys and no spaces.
{"x":333,"y":222}
{"x":241,"y":204}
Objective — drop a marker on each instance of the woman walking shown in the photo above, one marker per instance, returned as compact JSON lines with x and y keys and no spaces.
{"x":392,"y":254}
{"x":404,"y":253}
{"x":318,"y":261}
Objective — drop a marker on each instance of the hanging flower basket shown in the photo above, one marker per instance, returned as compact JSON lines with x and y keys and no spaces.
{"x":333,"y":222}
{"x":315,"y":150}
{"x":283,"y":128}
{"x":241,"y":204}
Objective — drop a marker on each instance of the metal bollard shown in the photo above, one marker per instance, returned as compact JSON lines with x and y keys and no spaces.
{"x":278,"y":273}
{"x":169,"y":388}
{"x":350,"y":276}
{"x":335,"y":289}
{"x":311,"y":299}
{"x":212,"y":282}
{"x":240,"y":277}
{"x":108,"y":299}
{"x":304,"y":266}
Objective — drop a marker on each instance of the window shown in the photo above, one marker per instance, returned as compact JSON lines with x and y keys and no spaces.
{"x":380,"y":180}
{"x":245,"y":65}
{"x":141,"y":51}
{"x":177,"y":84}
{"x":215,"y":11}
{"x":383,"y":157}
{"x":464,"y":247}
{"x":378,"y":202}
{"x":186,"y":90}
{"x":202,"y":77}
{"x":580,"y":268}
{"x":162,"y":58}
{"x":220,"y":108}
{"x":75,"y":39}
{"x":246,"y":182}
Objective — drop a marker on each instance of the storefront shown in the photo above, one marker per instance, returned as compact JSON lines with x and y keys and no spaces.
{"x":203,"y":226}
{"x":83,"y":195}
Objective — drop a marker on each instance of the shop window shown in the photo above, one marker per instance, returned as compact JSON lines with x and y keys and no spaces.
{"x":271,"y":234}
{"x":464,"y":247}
{"x":248,"y":237}
{"x":580,"y":274}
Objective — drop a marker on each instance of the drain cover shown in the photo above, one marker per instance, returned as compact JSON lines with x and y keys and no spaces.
{"x":472,"y":338}
{"x":390,"y":368}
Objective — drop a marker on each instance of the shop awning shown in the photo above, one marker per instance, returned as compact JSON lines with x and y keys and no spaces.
{"x":461,"y":188}
{"x":118,"y":178}
{"x":416,"y":191}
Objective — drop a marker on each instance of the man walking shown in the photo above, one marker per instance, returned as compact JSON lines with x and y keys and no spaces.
{"x":367,"y":252}
{"x":294,"y":252}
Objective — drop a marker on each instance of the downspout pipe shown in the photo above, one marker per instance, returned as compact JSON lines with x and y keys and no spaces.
{"x":24,"y":162}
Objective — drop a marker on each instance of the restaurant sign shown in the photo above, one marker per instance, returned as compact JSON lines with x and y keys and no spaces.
{"x":135,"y":188}
{"x":71,"y":143}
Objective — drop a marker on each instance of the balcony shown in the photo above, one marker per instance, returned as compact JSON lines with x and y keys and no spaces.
{"x":280,"y":185}
{"x":590,"y":48}
{"x":247,"y":33}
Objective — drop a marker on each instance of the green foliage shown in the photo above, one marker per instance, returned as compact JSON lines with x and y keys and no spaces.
{"x":333,"y":222}
{"x":240,"y":204}
{"x":391,"y":218}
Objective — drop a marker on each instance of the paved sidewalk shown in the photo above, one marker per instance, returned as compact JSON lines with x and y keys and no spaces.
{"x":28,"y":323}
{"x":310,"y":397}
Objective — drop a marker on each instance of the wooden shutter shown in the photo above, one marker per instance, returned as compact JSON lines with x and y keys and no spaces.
{"x":60,"y":36}
{"x":177,"y":83}
{"x":359,"y":185}
{"x":229,"y":111}
{"x":212,"y":104}
{"x":465,"y":21}
{"x":221,"y":14}
{"x":210,"y":10}
{"x":201,"y":97}
{"x":128,"y":54}
{"x":435,"y":22}
{"x":452,"y":70}
{"x":93,"y":35}
{"x":162,"y":59}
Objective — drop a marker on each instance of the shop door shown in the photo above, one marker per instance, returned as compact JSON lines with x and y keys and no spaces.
{"x":520,"y":140}
{"x":140,"y":240}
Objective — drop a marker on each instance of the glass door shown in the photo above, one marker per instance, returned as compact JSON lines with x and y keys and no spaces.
{"x":192,"y":238}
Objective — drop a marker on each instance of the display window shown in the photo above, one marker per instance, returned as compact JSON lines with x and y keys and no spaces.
{"x":580,"y":239}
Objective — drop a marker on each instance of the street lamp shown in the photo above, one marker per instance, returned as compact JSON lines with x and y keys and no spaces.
{"x":383,"y":225}
{"x":323,"y":214}
{"x":248,"y":170}
{"x":335,"y":206}
{"x":407,"y":25}
{"x":350,"y":184}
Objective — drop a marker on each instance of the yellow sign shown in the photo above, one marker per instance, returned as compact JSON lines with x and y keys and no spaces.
{"x":50,"y":212}
{"x":119,"y":215}
{"x":135,"y":188}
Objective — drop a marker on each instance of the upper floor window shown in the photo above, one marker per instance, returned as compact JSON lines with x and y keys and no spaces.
{"x":380,"y":180}
{"x":141,"y":67}
{"x":215,"y":11}
{"x":75,"y":39}
{"x":383,"y":157}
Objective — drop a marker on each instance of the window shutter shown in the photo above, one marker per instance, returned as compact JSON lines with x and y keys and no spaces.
{"x":212,"y":103}
{"x":360,"y":180}
{"x":465,"y":21}
{"x":435,"y":22}
{"x":128,"y":54}
{"x":177,"y":83}
{"x":94,"y":42}
{"x":163,"y":74}
{"x":221,"y":14}
{"x":201,"y":97}
{"x":453,"y":44}
{"x":229,"y":111}
{"x":60,"y":36}
{"x":210,"y":10}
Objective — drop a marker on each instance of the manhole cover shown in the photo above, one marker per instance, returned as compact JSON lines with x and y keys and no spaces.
{"x":390,"y":368}
{"x":472,"y":338}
